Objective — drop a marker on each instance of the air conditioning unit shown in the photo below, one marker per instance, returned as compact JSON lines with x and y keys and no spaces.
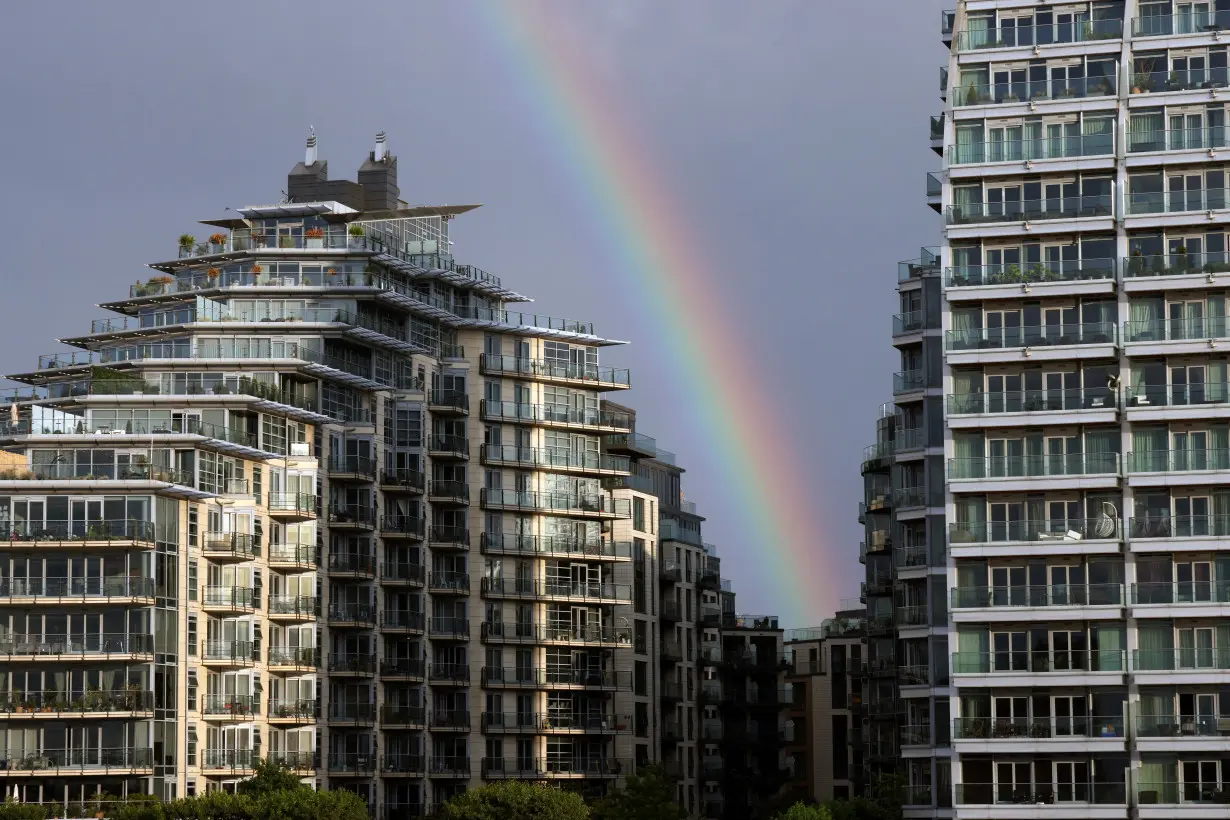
{"x":301,"y":448}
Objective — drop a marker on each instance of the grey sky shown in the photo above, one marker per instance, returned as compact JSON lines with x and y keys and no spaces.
{"x":793,"y":134}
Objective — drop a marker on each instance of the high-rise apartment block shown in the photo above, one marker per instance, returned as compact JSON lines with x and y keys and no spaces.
{"x":1054,"y":482}
{"x":315,"y":493}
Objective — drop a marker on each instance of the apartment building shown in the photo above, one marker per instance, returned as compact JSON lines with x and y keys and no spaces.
{"x":1060,"y":536}
{"x":824,"y":745}
{"x":314,"y":492}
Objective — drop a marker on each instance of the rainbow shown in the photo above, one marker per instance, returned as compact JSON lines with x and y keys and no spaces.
{"x":652,"y":247}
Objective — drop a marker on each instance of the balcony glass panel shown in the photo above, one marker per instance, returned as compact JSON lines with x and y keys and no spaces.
{"x":1035,"y":90}
{"x":1176,"y":264}
{"x":1077,"y":207}
{"x":1014,"y":274}
{"x":1177,"y":461}
{"x":1024,"y":150}
{"x":992,"y":338}
{"x":1067,"y":529}
{"x":1029,"y":401}
{"x":1019,"y":36}
{"x":1141,"y":139}
{"x":1042,"y":466}
{"x":1193,"y":18}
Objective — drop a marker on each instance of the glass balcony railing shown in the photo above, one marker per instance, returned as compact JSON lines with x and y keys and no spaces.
{"x":1078,"y":207}
{"x":1024,"y":794}
{"x":1023,"y":36}
{"x":935,"y":184}
{"x":1029,"y":273}
{"x":1203,"y":199}
{"x":555,"y":414}
{"x":1157,"y":330}
{"x":1025,"y":91}
{"x":1180,"y":526}
{"x":1176,"y":264}
{"x":1193,"y":18}
{"x":596,"y":504}
{"x":1043,"y":661}
{"x":1194,"y":791}
{"x":937,"y":127}
{"x":1181,"y":659}
{"x":496,"y":543}
{"x":1181,"y":592}
{"x":1177,"y":461}
{"x":948,"y":18}
{"x":1177,"y":139}
{"x":77,"y":587}
{"x":998,"y":338}
{"x":104,"y":643}
{"x":555,"y":457}
{"x":1041,"y":466}
{"x":1103,"y":528}
{"x":911,"y":322}
{"x":1037,"y":596}
{"x":1066,"y":147}
{"x":1208,"y":725}
{"x":106,"y":760}
{"x":1146,"y":82}
{"x":1005,"y":728}
{"x":1030,"y":401}
{"x":908,"y":380}
{"x":550,"y":369}
{"x":304,"y":605}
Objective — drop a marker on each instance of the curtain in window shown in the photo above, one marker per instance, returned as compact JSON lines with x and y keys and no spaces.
{"x":1222,"y":648}
{"x":1216,"y":313}
{"x":970,"y":451}
{"x":969,"y":144}
{"x":1215,"y":381}
{"x":973,"y":650}
{"x":1149,"y":449}
{"x":1146,"y":320}
{"x":967,"y":202}
{"x":966,"y":328}
{"x":1110,"y":644}
{"x":1100,"y":449}
{"x":979,"y":32}
{"x":1156,"y":642}
{"x":1159,"y":781}
{"x":1098,"y":137}
{"x":971,"y":519}
{"x":1146,"y":132}
{"x":972,"y":575}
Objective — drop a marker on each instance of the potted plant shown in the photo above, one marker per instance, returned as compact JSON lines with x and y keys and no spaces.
{"x":186,"y":242}
{"x":315,"y":237}
{"x":356,"y":233}
{"x":1142,"y":83}
{"x":212,"y":275}
{"x":256,"y":268}
{"x":216,"y":241}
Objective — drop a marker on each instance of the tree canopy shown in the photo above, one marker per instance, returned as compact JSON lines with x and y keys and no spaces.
{"x":515,"y":800}
{"x":648,"y":795}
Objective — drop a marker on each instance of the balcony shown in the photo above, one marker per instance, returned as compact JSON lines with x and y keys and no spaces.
{"x":1201,"y":793}
{"x":224,"y":599}
{"x":292,"y":556}
{"x":237,"y":707}
{"x":553,"y":678}
{"x":450,"y":720}
{"x":92,"y":703}
{"x":349,"y":763}
{"x":552,"y":723}
{"x":540,"y":545}
{"x":556,"y":459}
{"x":352,"y":517}
{"x":117,"y":532}
{"x":448,"y":492}
{"x":1096,"y":206}
{"x":402,"y":479}
{"x":402,"y":526}
{"x":352,"y":663}
{"x":1194,"y":19}
{"x":352,"y":468}
{"x":1055,"y":602}
{"x":906,"y":323}
{"x":1021,"y":667}
{"x":442,"y":445}
{"x":976,"y":344}
{"x":1006,"y":735}
{"x":564,"y":634}
{"x":449,"y":674}
{"x":440,"y":766}
{"x":555,"y":415}
{"x":228,"y":546}
{"x":1007,"y":472}
{"x":1196,"y":332}
{"x":908,"y":381}
{"x":970,"y":539}
{"x":67,"y":762}
{"x":448,"y":402}
{"x":402,"y":716}
{"x":292,"y":506}
{"x":448,"y":536}
{"x":1040,"y":36}
{"x":449,"y":628}
{"x":299,"y":608}
{"x":292,"y":711}
{"x":295,"y":761}
{"x":1044,"y":800}
{"x":1167,"y":533}
{"x":352,"y":565}
{"x":1174,"y":270}
{"x":1185,"y":665}
{"x":1174,"y":467}
{"x":402,"y":763}
{"x":120,"y":590}
{"x":1024,"y":92}
{"x":1046,"y":149}
{"x":1202,"y":200}
{"x":1011,"y":408}
{"x":362,"y":616}
{"x":1010,"y":278}
{"x":561,"y":590}
{"x":596,"y":506}
{"x":1194,"y":141}
{"x":293,"y":658}
{"x":449,"y":583}
{"x":223,"y":653}
{"x":402,"y":572}
{"x":408,"y":668}
{"x":348,"y":712}
{"x":585,"y":375}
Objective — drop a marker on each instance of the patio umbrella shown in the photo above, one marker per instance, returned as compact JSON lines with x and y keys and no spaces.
{"x":14,"y":417}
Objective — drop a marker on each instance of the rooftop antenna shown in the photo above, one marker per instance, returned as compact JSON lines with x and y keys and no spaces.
{"x":309,"y":157}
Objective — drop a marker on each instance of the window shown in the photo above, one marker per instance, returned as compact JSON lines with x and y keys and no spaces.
{"x":638,"y":514}
{"x":641,"y":678}
{"x":640,"y":639}
{"x":192,"y":579}
{"x":192,"y":635}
